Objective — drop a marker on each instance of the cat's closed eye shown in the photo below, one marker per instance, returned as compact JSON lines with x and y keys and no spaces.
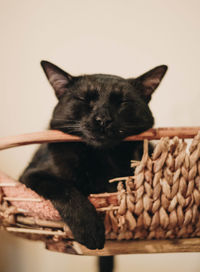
{"x":88,"y":98}
{"x":81,"y":99}
{"x":125,"y":102}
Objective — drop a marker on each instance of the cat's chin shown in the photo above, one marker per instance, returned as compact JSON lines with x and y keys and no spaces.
{"x":102,"y":142}
{"x":102,"y":145}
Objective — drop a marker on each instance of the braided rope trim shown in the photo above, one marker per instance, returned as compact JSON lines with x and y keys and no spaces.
{"x":162,"y":200}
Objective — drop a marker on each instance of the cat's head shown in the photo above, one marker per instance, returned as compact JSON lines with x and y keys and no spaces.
{"x":102,"y":109}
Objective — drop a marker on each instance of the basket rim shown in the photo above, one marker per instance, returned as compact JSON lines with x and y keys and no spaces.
{"x":52,"y":136}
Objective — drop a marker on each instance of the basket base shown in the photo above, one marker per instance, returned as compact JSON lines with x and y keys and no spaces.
{"x":128,"y":247}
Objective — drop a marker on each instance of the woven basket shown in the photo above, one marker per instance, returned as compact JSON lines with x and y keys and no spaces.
{"x":156,"y":210}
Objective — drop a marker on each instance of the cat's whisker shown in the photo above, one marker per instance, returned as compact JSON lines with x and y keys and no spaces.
{"x":63,"y":119}
{"x":66,"y":122}
{"x":69,"y":129}
{"x":66,"y":126}
{"x":130,"y":126}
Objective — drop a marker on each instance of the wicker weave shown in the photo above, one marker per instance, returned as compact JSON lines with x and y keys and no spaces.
{"x":161,"y":200}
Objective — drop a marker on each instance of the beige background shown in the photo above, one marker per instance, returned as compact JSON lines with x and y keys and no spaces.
{"x":119,"y":37}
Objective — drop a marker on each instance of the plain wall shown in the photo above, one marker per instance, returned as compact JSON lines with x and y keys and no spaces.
{"x":125,"y":38}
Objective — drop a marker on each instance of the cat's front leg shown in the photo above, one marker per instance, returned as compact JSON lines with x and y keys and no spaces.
{"x":82,"y":218}
{"x":74,"y":208}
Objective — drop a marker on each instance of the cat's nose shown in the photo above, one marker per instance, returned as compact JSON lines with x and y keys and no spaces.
{"x":102,"y":121}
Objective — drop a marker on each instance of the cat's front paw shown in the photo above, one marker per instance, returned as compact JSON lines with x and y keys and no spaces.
{"x":91,"y":232}
{"x":80,"y":215}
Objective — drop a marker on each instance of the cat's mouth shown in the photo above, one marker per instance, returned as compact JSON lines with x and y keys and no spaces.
{"x":104,"y":139}
{"x":95,"y":138}
{"x":112,"y":136}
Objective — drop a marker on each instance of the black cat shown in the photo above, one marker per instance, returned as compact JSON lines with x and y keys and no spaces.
{"x":103,"y":110}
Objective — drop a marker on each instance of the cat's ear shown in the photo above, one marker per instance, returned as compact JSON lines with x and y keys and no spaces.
{"x":148,"y":82}
{"x":58,"y":78}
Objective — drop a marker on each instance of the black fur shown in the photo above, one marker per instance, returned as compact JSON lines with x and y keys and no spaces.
{"x":102,"y":109}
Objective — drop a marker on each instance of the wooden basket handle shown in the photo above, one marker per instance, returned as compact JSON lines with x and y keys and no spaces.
{"x":51,"y":136}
